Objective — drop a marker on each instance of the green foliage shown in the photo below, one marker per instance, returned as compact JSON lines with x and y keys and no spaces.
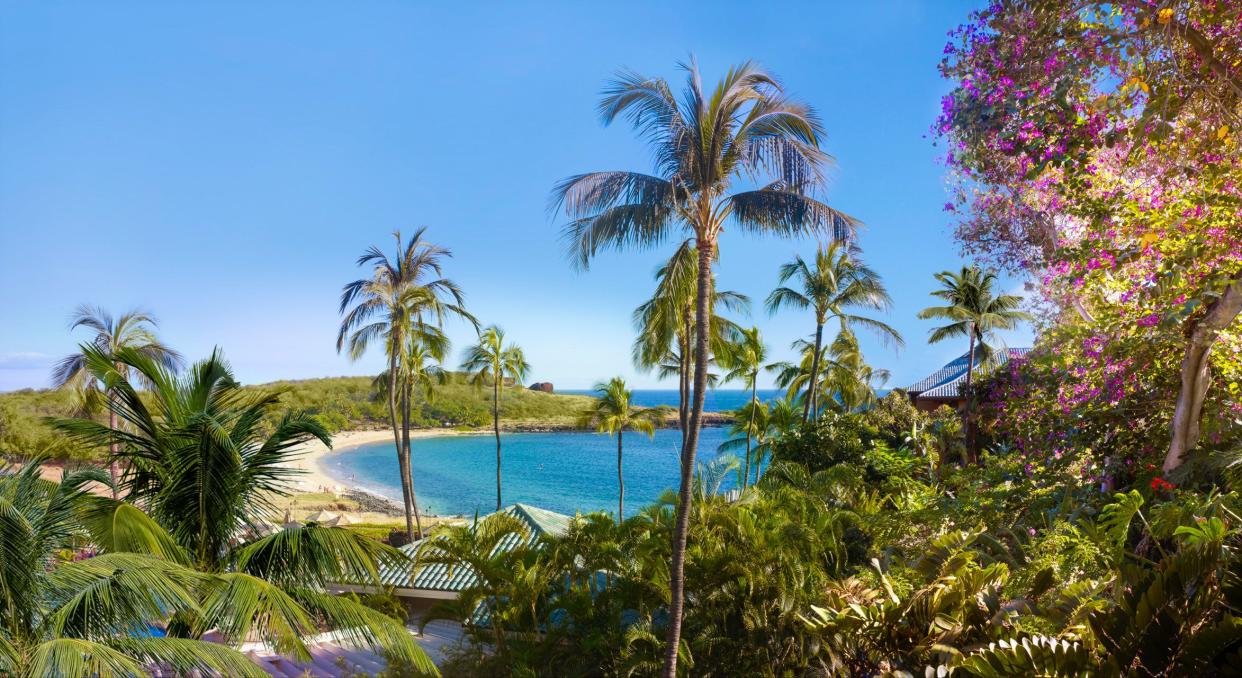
{"x":336,"y":403}
{"x":827,"y":441}
{"x":23,"y":433}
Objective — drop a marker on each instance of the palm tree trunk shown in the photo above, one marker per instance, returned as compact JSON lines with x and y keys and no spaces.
{"x":970,"y":420}
{"x":683,"y":368}
{"x":620,"y":483}
{"x":809,"y":407}
{"x":115,"y":447}
{"x":682,"y":527}
{"x":396,"y":437}
{"x":758,"y":465}
{"x":749,"y":428}
{"x":405,"y":453}
{"x":496,"y":428}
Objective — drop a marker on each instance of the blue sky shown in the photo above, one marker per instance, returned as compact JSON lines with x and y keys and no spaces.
{"x":222,"y":166}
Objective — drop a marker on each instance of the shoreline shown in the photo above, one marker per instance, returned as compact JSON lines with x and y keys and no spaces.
{"x":315,"y":476}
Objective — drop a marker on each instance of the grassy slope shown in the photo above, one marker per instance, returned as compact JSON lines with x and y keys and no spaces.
{"x":340,"y":403}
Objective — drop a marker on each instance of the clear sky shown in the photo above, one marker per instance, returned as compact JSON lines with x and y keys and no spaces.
{"x":223,"y":164}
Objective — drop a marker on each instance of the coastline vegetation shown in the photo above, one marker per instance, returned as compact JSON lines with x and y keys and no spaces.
{"x":1077,"y":511}
{"x":338,"y":403}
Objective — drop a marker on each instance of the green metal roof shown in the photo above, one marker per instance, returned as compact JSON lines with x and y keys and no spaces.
{"x":437,"y":577}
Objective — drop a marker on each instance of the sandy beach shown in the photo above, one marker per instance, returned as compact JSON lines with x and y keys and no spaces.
{"x":314,"y":478}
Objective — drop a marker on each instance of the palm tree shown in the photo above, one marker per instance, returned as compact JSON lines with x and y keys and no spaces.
{"x":418,"y":370}
{"x":836,"y":281}
{"x":206,"y":470}
{"x":476,"y":548}
{"x":783,"y":416}
{"x":744,"y":129}
{"x":848,"y":381}
{"x":491,"y":360}
{"x":976,"y":312}
{"x":745,"y":358}
{"x":665,"y":324}
{"x":135,"y":330}
{"x":750,"y":425}
{"x":406,"y":296}
{"x":612,"y":413}
{"x":63,"y":616}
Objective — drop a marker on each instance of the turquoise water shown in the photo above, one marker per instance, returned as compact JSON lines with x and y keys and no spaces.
{"x":714,"y":400}
{"x":563,"y":472}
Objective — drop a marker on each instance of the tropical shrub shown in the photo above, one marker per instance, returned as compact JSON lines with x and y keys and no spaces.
{"x":824,"y":442}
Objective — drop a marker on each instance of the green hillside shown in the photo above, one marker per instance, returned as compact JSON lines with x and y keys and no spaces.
{"x":340,"y":403}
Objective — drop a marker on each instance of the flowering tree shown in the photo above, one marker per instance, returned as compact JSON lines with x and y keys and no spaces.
{"x":1095,"y":145}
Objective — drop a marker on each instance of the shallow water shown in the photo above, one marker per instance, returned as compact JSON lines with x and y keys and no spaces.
{"x":563,"y":472}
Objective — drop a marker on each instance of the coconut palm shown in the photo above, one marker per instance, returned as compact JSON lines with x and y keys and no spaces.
{"x":846,"y":381}
{"x":749,"y":432}
{"x":665,"y":324}
{"x":492,"y":361}
{"x":206,"y":469}
{"x":406,"y":296}
{"x":62,"y":616}
{"x":831,"y":285}
{"x":612,"y":413}
{"x":476,"y":548}
{"x":783,"y":416}
{"x":418,"y":371}
{"x":135,"y":330}
{"x":744,"y":129}
{"x":746,"y":357}
{"x":977,"y":313}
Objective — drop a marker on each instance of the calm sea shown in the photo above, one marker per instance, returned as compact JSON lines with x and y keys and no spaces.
{"x":715,"y":400}
{"x":563,"y":472}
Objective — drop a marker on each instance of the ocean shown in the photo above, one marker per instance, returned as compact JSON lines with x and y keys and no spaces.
{"x":714,"y":400}
{"x":564,"y":472}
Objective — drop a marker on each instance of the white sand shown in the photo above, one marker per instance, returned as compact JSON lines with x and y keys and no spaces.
{"x":315,"y":478}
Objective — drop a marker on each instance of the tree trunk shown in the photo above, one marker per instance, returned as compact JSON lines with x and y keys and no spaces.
{"x":1196,"y":373}
{"x":405,"y":452}
{"x":688,"y":450}
{"x":620,"y":483}
{"x":114,"y":447}
{"x":496,"y":428}
{"x":396,"y":437}
{"x":810,"y":405}
{"x":750,"y":426}
{"x":969,"y":411}
{"x":683,"y":405}
{"x":758,"y":467}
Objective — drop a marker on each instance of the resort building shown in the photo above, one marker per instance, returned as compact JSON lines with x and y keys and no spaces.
{"x":947,"y":385}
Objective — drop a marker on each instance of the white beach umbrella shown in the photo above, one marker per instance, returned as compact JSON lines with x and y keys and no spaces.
{"x":322,"y":517}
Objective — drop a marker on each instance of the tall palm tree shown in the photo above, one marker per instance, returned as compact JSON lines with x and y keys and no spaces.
{"x":206,"y":469}
{"x":746,"y":128}
{"x":612,"y":413}
{"x":419,"y":370}
{"x":665,"y":324}
{"x":976,"y":312}
{"x":135,"y":330}
{"x":835,"y":282}
{"x":746,"y":357}
{"x":491,"y":360}
{"x":406,"y":296}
